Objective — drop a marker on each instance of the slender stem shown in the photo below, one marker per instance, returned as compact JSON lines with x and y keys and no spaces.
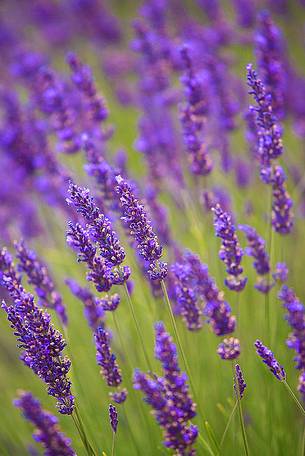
{"x":303,"y":443}
{"x":82,"y":437}
{"x":228,"y":424}
{"x":113,"y":440}
{"x":298,"y":403}
{"x":241,"y":416}
{"x":130,"y":303}
{"x":81,"y":426}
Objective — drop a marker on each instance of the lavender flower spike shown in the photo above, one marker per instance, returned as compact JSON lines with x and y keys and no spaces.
{"x":169,"y":396}
{"x":239,"y":385}
{"x":107,"y":360}
{"x":256,"y":248}
{"x":135,"y":217}
{"x":229,"y":348}
{"x":47,"y":430}
{"x":101,"y":232}
{"x":41,"y":343}
{"x":113,"y":416}
{"x":269,"y":359}
{"x":230,"y":253}
{"x":38,"y":276}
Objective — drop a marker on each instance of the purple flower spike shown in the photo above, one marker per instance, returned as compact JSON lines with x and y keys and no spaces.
{"x":38,"y":276}
{"x":100,"y":231}
{"x":169,"y":396}
{"x":78,"y":239}
{"x":239,"y":385}
{"x":193,"y":118}
{"x":93,"y":309}
{"x":135,"y":217}
{"x":282,"y":217}
{"x":47,"y":431}
{"x":113,"y":416}
{"x":296,"y":319}
{"x":119,"y":396}
{"x":229,"y":348}
{"x":281,"y":273}
{"x":269,"y":359}
{"x":270,"y":52}
{"x":41,"y":343}
{"x":230,"y":253}
{"x":107,"y":360}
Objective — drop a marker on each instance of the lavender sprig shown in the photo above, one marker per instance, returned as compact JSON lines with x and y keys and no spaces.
{"x":39,"y":276}
{"x":107,"y":360}
{"x":270,"y":360}
{"x":47,"y":431}
{"x":229,"y":349}
{"x":113,"y":417}
{"x":230,"y":253}
{"x":239,"y":384}
{"x":135,"y":217}
{"x":41,"y":343}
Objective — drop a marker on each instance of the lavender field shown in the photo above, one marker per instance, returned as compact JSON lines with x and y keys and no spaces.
{"x":152,"y":227}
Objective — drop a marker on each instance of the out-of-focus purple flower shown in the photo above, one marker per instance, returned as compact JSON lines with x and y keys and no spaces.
{"x":281,"y":273}
{"x":243,"y":172}
{"x":41,"y":343}
{"x":83,"y":79}
{"x":159,"y":215}
{"x":270,"y":360}
{"x":217,"y":195}
{"x":135,"y":217}
{"x":119,"y":396}
{"x":245,"y":12}
{"x":230,"y":253}
{"x":39,"y":276}
{"x":47,"y":431}
{"x":296,"y":319}
{"x":169,"y":396}
{"x":301,"y":385}
{"x":239,"y":382}
{"x":229,"y":348}
{"x":93,"y":309}
{"x":107,"y":360}
{"x":257,"y":249}
{"x":282,"y":216}
{"x":270,"y":52}
{"x":113,"y":417}
{"x":193,"y":118}
{"x":192,"y":283}
{"x":269,"y":133}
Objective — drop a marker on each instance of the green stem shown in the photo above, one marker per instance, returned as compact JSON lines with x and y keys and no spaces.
{"x":131,"y":307}
{"x":298,"y":403}
{"x":113,"y":440}
{"x":303,"y":443}
{"x":241,"y":416}
{"x":81,"y":426}
{"x":82,"y":437}
{"x":228,"y":424}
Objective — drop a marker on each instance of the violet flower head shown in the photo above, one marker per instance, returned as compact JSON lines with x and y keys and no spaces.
{"x":301,"y":385}
{"x":38,"y":275}
{"x":270,"y":144}
{"x":239,"y":382}
{"x":42,"y":345}
{"x":113,"y":417}
{"x":135,"y":217}
{"x":229,"y":348}
{"x":257,"y":249}
{"x":47,"y":431}
{"x":281,"y":273}
{"x":169,"y":396}
{"x":296,"y":319}
{"x":101,"y":232}
{"x":270,"y":360}
{"x":119,"y":396}
{"x":230,"y":252}
{"x":193,"y":118}
{"x":282,"y":215}
{"x":83,"y":80}
{"x":270,"y":49}
{"x":93,"y":309}
{"x":10,"y":279}
{"x":106,"y":359}
{"x":79,"y":240}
